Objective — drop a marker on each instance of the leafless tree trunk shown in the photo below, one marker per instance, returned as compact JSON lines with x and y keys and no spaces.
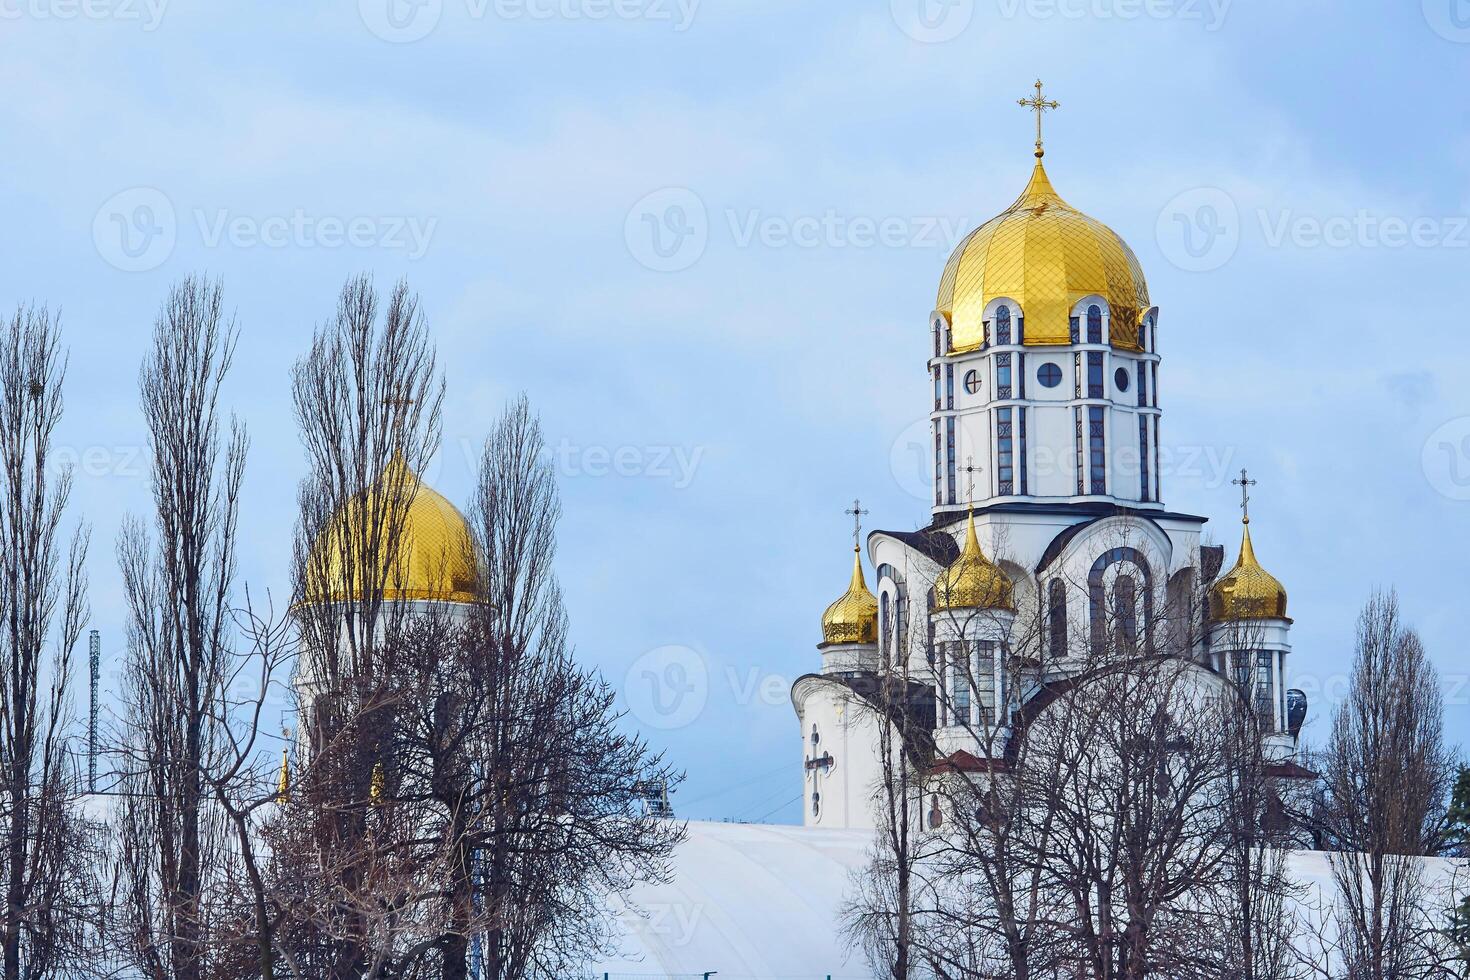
{"x":1387,"y":775}
{"x":549,"y":813}
{"x":178,"y":582}
{"x":367,"y":400}
{"x":43,"y":607}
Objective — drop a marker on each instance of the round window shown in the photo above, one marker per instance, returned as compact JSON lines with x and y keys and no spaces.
{"x":972,"y":381}
{"x":1049,"y":375}
{"x":1121,"y":378}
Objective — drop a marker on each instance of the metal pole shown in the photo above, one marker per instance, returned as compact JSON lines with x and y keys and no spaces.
{"x":94,"y":656}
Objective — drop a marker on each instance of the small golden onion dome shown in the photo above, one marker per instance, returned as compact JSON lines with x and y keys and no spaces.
{"x":853,"y":618}
{"x":1046,"y":256}
{"x":1247,"y":591}
{"x":436,"y":555}
{"x":974,"y":581}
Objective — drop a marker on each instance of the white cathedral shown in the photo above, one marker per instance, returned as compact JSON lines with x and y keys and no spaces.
{"x":1048,"y":520}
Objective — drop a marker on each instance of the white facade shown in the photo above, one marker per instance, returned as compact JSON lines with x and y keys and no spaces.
{"x":1055,"y":449}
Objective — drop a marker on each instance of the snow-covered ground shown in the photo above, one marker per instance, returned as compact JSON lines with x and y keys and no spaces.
{"x":757,"y":901}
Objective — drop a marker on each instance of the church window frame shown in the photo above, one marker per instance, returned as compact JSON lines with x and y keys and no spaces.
{"x":949,"y":450}
{"x":1056,"y":619}
{"x":949,"y":386}
{"x":1145,"y":481}
{"x":972,"y":382}
{"x":1003,"y":326}
{"x":1049,"y":374}
{"x":1097,"y":597}
{"x":1003,"y":376}
{"x":1005,"y":456}
{"x":1094,"y":324}
{"x":1097,"y":460}
{"x":1095,"y":387}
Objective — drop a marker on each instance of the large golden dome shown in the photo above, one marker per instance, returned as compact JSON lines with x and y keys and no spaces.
{"x":973,"y":581}
{"x":1045,"y":255}
{"x":1247,"y":591}
{"x":853,"y":618}
{"x":436,"y":557}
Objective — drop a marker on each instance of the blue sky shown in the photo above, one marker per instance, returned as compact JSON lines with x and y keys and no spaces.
{"x":716,"y":405}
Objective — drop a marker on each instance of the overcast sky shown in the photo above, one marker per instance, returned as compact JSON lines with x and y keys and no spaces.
{"x":704,"y":237}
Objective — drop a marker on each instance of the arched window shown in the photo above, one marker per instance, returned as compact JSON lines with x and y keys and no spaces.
{"x":1103,"y":615}
{"x":1094,"y":324}
{"x":1003,"y":325}
{"x":1056,"y":619}
{"x":884,"y":622}
{"x":1125,"y":613}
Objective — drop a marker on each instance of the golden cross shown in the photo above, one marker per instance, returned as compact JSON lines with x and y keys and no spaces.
{"x":1039,"y":105}
{"x":970,"y":469}
{"x":1245,"y":483}
{"x":856,"y":513}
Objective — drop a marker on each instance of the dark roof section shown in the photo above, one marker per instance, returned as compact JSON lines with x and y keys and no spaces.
{"x":932,"y":542}
{"x":938,"y":543}
{"x":1290,"y":769}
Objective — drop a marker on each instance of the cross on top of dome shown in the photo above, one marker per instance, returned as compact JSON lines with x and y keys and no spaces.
{"x":1039,"y":105}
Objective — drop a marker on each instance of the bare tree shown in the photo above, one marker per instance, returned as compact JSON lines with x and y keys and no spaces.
{"x":48,"y":877}
{"x":1387,"y":775}
{"x":178,"y":581}
{"x":367,"y":399}
{"x":546,"y":819}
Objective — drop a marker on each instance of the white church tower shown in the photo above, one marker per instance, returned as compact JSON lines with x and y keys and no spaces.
{"x":1048,"y":534}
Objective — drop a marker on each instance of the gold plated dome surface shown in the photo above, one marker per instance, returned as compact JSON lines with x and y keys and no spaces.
{"x":853,"y":618}
{"x":1046,"y":256}
{"x":973,"y":581}
{"x":436,"y":557}
{"x":1247,"y":591}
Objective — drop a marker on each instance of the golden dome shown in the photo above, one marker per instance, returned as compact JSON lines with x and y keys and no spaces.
{"x":1046,"y":256}
{"x":973,"y":581}
{"x":1247,"y":591}
{"x":436,"y":554}
{"x":853,"y":618}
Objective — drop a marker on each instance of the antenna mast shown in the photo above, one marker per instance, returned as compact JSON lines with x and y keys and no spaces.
{"x":94,"y":656}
